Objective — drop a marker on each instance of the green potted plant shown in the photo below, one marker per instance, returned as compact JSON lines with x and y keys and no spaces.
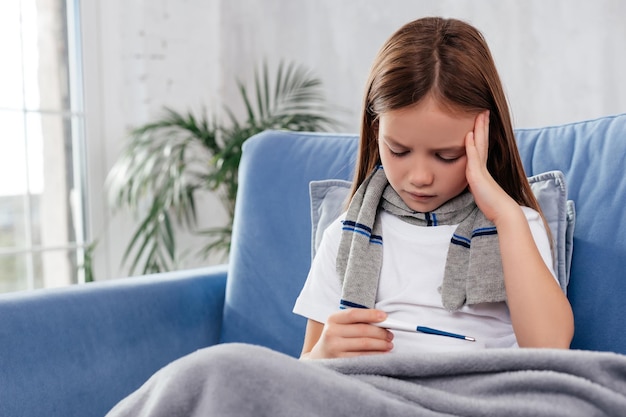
{"x":165,"y":163}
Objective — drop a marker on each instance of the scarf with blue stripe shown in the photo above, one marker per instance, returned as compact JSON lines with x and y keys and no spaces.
{"x":473,"y":272}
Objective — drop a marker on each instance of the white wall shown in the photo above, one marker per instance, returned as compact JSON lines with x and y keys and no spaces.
{"x":560,"y":61}
{"x":139,"y":56}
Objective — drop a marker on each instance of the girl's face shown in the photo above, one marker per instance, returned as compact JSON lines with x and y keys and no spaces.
{"x":422,"y":149}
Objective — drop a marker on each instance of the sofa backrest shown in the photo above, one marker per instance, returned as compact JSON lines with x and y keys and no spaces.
{"x":591,"y":155}
{"x":271,"y":244}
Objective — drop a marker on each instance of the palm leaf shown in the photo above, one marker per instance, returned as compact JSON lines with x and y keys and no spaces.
{"x":167,"y":161}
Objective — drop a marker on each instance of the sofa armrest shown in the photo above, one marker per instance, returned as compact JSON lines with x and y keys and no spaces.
{"x":78,"y":350}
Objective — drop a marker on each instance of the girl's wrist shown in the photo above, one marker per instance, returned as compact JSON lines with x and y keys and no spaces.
{"x":508,"y":214}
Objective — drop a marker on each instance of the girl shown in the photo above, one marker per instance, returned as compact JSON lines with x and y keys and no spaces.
{"x":442,"y":229}
{"x":436,"y":118}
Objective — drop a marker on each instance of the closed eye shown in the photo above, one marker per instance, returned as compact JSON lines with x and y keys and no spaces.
{"x":398,"y":154}
{"x":448,"y":159}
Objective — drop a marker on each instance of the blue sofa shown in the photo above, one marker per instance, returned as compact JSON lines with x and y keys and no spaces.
{"x":77,"y":351}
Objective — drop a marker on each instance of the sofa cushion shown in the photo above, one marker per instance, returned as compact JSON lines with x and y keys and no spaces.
{"x":328,"y":201}
{"x":329,"y":197}
{"x":560,"y":214}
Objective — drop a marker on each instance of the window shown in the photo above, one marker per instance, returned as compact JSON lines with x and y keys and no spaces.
{"x":42,"y":208}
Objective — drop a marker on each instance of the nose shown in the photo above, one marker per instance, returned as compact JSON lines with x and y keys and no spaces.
{"x":421,"y":175}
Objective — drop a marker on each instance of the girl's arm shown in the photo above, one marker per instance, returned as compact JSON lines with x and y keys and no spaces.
{"x":347,"y":333}
{"x":540,"y":312}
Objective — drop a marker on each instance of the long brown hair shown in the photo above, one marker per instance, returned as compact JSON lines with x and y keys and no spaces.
{"x":450,"y":60}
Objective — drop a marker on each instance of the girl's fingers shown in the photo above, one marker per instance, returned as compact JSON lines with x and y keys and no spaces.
{"x":359,"y":330}
{"x":363,"y":345}
{"x":481,"y":135}
{"x":473,"y":159}
{"x":358,"y":315}
{"x":349,"y":332}
{"x":477,"y":144}
{"x":340,"y":340}
{"x":477,"y":148}
{"x":484,"y":146}
{"x":355,"y":323}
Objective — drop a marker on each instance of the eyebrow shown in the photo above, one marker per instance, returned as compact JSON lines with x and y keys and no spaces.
{"x":451,"y":149}
{"x":393,"y":142}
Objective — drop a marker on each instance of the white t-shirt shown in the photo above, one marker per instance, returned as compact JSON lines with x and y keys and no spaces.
{"x":414,"y":259}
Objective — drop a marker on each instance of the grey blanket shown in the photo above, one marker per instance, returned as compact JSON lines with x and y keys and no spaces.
{"x":243,"y":380}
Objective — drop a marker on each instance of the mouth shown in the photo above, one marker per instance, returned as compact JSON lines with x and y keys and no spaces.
{"x":420,"y":197}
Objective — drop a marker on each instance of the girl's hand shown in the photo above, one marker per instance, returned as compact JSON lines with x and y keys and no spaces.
{"x":349,"y":333}
{"x":489,"y":196}
{"x":540,"y":313}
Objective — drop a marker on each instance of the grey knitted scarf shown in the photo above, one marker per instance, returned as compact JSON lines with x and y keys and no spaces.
{"x":473,"y":272}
